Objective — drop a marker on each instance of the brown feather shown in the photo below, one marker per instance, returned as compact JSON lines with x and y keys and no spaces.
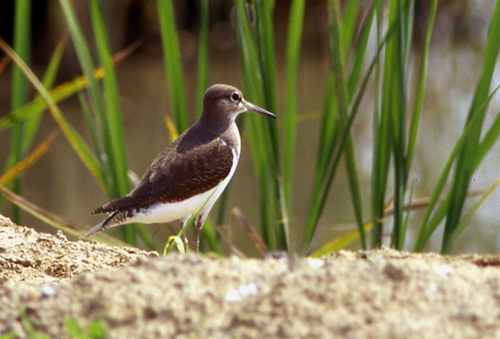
{"x":187,"y":167}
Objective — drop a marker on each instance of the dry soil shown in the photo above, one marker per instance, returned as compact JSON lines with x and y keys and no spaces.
{"x":363,"y":294}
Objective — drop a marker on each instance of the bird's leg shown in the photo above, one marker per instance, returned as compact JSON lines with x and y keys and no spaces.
{"x":197,"y":229}
{"x":183,"y":236}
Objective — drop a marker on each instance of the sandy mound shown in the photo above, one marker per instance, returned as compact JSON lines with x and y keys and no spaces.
{"x":376,"y":294}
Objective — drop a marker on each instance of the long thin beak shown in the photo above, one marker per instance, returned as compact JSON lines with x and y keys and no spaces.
{"x":252,"y":108}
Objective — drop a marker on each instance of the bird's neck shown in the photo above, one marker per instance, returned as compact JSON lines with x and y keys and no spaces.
{"x":214,"y":125}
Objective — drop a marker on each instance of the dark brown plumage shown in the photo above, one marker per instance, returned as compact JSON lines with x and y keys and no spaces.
{"x":191,"y":172}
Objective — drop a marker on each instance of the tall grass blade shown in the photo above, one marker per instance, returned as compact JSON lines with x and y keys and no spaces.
{"x":390,"y":124}
{"x":327,"y":159}
{"x":113,"y":135}
{"x":84,"y":56}
{"x":260,"y":139}
{"x":467,"y":217}
{"x":342,"y":97}
{"x":360,"y":49}
{"x":20,"y":90}
{"x":173,"y":65}
{"x":48,"y":80}
{"x":293,"y":49}
{"x":86,"y":63}
{"x":489,"y":139}
{"x":466,"y":159}
{"x":428,"y":225}
{"x":203,"y":56}
{"x":328,"y":135}
{"x":349,"y":23}
{"x":113,"y":161}
{"x":419,"y":99}
{"x":402,"y":15}
{"x":267,"y":63}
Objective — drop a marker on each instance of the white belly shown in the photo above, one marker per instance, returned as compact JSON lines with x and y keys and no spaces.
{"x":161,"y":212}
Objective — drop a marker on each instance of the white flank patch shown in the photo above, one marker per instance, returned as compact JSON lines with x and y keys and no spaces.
{"x":158,"y":213}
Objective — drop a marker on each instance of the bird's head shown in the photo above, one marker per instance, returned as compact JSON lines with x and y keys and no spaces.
{"x":223,"y":103}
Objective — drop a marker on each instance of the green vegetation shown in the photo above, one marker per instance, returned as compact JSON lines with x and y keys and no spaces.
{"x":95,"y":330}
{"x":396,"y":122}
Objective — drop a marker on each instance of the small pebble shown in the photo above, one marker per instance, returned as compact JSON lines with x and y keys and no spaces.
{"x":48,"y":291}
{"x":242,"y":292}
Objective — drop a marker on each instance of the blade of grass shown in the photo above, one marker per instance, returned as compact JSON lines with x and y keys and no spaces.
{"x":419,"y":99}
{"x":466,"y":159}
{"x":113,"y":160}
{"x":61,"y":92}
{"x":115,"y":142}
{"x":327,"y":159}
{"x":345,"y":240}
{"x":69,"y":227}
{"x":402,"y":15}
{"x":267,"y":59}
{"x":267,"y":64}
{"x":114,"y":135}
{"x":31,"y":125}
{"x":387,"y":127}
{"x":294,"y":38}
{"x":340,"y":242}
{"x":173,"y":65}
{"x":20,"y":90}
{"x":203,"y":56}
{"x":49,"y":77}
{"x":259,"y":138}
{"x":84,"y":56}
{"x":489,"y":139}
{"x":360,"y":50}
{"x":467,"y":217}
{"x":341,"y":94}
{"x":75,"y":140}
{"x":328,"y":135}
{"x":89,"y":121}
{"x":248,"y":56}
{"x":86,"y":63}
{"x":428,"y":226}
{"x":250,"y":231}
{"x":349,"y":22}
{"x":22,"y":166}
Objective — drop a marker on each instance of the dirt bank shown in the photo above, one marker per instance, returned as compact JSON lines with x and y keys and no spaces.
{"x":377,"y":294}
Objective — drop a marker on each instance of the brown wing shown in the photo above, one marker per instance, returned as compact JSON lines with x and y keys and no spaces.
{"x":179,"y":172}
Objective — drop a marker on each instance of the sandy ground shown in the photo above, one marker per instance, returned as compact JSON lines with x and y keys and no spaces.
{"x":374,"y":294}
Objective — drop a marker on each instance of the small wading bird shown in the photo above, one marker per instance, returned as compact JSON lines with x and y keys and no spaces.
{"x":191,"y":172}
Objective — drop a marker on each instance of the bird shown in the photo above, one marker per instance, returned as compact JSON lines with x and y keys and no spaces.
{"x":190,"y":174}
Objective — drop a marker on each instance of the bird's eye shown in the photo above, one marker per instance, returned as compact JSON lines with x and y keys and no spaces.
{"x":235,"y":97}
